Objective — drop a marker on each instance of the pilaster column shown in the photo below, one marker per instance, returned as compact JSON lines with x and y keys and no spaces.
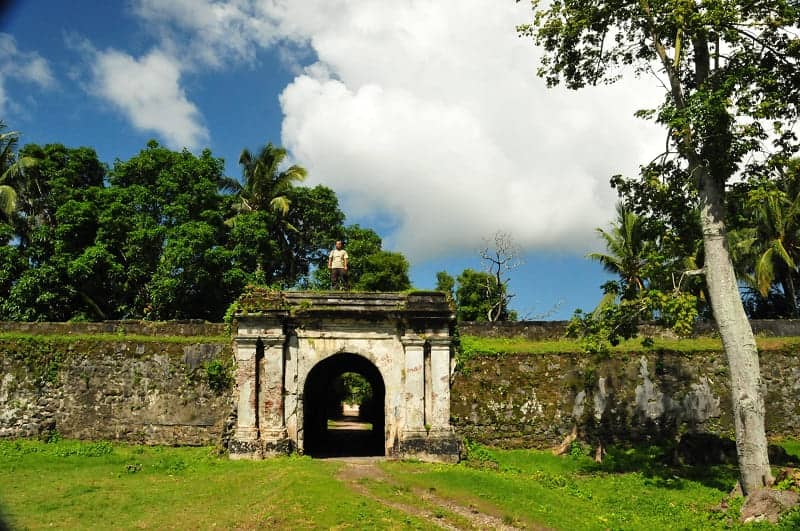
{"x":246,"y":418}
{"x":414,"y":384}
{"x":270,"y":401}
{"x":440,"y":384}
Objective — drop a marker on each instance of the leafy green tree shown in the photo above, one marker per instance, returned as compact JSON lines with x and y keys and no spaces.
{"x":253,"y":249}
{"x":266,"y":184}
{"x":106,"y":246}
{"x":57,"y":221}
{"x":446,"y":283}
{"x":317,"y":221}
{"x":384,"y":271}
{"x":45,"y":177}
{"x":729,"y":67}
{"x":668,"y":222}
{"x":193,"y":277}
{"x":360,"y":243}
{"x":478,"y":296}
{"x":353,"y":388}
{"x":8,"y":202}
{"x":41,"y":294}
{"x":12,"y":263}
{"x":370,"y":268}
{"x":130,"y":230}
{"x":633,"y":297}
{"x":175,"y":187}
{"x":163,"y":219}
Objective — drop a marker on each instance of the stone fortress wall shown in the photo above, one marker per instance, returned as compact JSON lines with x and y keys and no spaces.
{"x":152,"y":383}
{"x":159,"y":383}
{"x":522,"y":400}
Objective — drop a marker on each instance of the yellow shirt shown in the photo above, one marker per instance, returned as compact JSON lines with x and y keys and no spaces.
{"x":337,"y":258}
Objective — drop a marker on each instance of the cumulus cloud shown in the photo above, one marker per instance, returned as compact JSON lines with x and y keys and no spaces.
{"x":429,"y":114}
{"x":191,"y":36}
{"x":147,"y":91}
{"x":18,"y":65}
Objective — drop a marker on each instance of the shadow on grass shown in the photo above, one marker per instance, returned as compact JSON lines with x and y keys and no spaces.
{"x":701,"y":458}
{"x":657,"y":464}
{"x":4,"y":523}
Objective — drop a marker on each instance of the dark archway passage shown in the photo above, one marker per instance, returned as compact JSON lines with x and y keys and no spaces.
{"x":321,"y":404}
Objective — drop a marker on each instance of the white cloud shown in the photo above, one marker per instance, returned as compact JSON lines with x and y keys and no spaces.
{"x":429,"y":113}
{"x":208,"y":32}
{"x":191,"y":36}
{"x":148,"y":92}
{"x":28,"y":67}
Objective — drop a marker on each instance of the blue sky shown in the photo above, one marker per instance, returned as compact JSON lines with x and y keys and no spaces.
{"x":425,"y":117}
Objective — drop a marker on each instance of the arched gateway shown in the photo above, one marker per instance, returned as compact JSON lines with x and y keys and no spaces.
{"x":291,"y":345}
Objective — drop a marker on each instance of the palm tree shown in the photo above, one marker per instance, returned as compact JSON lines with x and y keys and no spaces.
{"x":265,"y":188}
{"x":626,"y":250}
{"x":265,"y":184}
{"x":773,"y":243}
{"x":8,"y":196}
{"x":8,"y":202}
{"x":11,"y":169}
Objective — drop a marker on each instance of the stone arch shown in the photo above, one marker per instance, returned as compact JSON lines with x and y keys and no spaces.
{"x":289,"y":344}
{"x":317,"y":439}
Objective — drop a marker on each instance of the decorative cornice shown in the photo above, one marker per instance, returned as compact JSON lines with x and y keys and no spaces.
{"x":268,"y":341}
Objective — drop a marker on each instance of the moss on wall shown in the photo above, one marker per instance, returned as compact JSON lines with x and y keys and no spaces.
{"x":174,"y":389}
{"x":162,"y":384}
{"x":534,"y":400}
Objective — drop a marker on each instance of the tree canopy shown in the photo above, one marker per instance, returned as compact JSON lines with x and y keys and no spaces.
{"x":164,"y":234}
{"x":370,"y":267}
{"x":477,"y":296}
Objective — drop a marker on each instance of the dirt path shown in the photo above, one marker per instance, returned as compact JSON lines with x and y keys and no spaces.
{"x":358,"y":472}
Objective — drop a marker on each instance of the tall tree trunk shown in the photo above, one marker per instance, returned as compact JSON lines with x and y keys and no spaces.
{"x":737,"y":338}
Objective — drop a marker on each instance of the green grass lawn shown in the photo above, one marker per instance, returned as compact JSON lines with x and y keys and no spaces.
{"x":499,"y":345}
{"x":70,"y":485}
{"x":73,"y":485}
{"x":630,"y":490}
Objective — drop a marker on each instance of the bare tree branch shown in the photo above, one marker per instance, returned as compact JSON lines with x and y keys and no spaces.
{"x":499,"y":260}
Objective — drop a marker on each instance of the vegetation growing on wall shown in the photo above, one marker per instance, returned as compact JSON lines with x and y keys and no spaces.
{"x":43,"y":356}
{"x":257,"y":298}
{"x":219,"y":375}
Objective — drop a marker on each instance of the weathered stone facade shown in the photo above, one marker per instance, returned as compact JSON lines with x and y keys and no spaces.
{"x":524,"y":401}
{"x":99,"y":381}
{"x":289,"y":345}
{"x":152,"y":391}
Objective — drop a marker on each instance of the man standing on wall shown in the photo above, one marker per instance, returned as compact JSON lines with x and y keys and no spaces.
{"x":337,"y":265}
